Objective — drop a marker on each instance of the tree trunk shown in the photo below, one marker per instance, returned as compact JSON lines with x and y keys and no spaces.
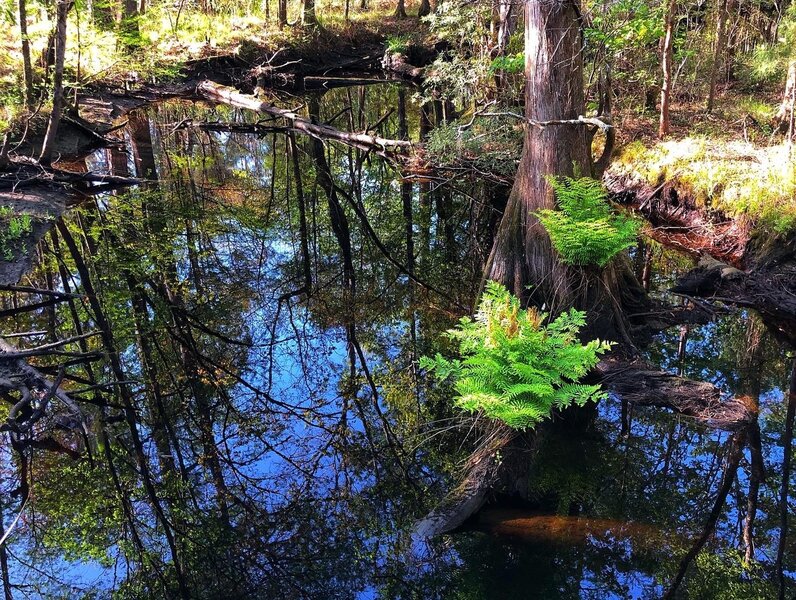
{"x":308,"y":17}
{"x":785,"y":115}
{"x":27,"y":67}
{"x":281,"y":13}
{"x":58,"y":83}
{"x":522,"y":254}
{"x":666,"y":65}
{"x":425,"y":8}
{"x":721,"y":43}
{"x":400,"y":10}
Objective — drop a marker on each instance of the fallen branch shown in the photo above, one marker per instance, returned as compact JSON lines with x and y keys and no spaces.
{"x":228,"y":95}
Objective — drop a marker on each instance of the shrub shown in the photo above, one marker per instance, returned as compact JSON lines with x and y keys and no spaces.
{"x":585,"y":231}
{"x":514,"y":368}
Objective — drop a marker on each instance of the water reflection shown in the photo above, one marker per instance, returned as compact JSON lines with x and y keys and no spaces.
{"x":251,"y":421}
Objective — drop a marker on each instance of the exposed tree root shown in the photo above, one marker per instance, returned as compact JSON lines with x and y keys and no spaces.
{"x":677,"y":221}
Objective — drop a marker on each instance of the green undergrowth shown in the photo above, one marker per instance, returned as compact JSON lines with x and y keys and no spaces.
{"x":489,"y":145}
{"x":738,"y":178}
{"x":517,"y":366}
{"x":13,"y":228}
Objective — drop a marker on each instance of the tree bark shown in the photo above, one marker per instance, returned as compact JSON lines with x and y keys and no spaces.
{"x":400,"y":10}
{"x":308,"y":17}
{"x":785,"y":115}
{"x":27,"y":67}
{"x":666,"y":66}
{"x":522,"y":254}
{"x":721,"y":43}
{"x":424,"y":9}
{"x":62,"y":9}
{"x":281,"y":13}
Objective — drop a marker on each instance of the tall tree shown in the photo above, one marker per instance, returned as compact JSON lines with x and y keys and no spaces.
{"x":522,"y":254}
{"x":667,"y":51}
{"x":308,"y":17}
{"x":62,"y":9}
{"x":785,"y":118}
{"x":718,"y":51}
{"x":27,"y":68}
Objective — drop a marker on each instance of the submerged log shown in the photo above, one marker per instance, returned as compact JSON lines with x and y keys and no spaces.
{"x":643,"y":385}
{"x":228,"y":95}
{"x":481,"y":474}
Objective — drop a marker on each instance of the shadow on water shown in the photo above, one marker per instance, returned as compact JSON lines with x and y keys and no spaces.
{"x":240,"y":335}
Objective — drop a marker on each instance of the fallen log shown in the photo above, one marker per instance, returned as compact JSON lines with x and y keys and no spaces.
{"x":678,"y":221}
{"x":227,"y":95}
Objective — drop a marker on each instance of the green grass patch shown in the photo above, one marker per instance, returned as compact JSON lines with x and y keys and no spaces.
{"x":737,"y":178}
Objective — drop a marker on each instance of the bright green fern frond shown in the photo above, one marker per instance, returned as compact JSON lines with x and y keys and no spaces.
{"x":584,"y":230}
{"x":514,"y":367}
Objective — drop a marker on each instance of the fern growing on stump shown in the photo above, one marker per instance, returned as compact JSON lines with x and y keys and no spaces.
{"x":514,"y":368}
{"x":584,"y":231}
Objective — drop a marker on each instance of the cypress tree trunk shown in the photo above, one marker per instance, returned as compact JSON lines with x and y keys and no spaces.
{"x":425,"y":8}
{"x":400,"y":10}
{"x":62,"y":9}
{"x":522,"y":254}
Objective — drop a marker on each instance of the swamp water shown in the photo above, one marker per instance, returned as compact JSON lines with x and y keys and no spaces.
{"x":253,"y":406}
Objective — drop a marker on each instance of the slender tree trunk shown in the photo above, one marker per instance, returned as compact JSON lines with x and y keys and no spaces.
{"x":62,"y":8}
{"x":400,"y":10}
{"x":785,"y":115}
{"x":522,"y":254}
{"x":666,"y":65}
{"x":787,"y":442}
{"x":27,"y":67}
{"x":281,"y":13}
{"x":7,"y":595}
{"x":505,"y":25}
{"x":718,"y":53}
{"x":308,"y":17}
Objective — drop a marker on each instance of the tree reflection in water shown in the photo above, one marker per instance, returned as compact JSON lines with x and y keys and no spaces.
{"x":254,"y":424}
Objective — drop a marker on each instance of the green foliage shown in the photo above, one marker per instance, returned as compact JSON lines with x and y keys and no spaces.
{"x":512,"y":63}
{"x":398,"y":43}
{"x":514,"y":368}
{"x":585,"y":231}
{"x":489,"y":145}
{"x":12,"y":229}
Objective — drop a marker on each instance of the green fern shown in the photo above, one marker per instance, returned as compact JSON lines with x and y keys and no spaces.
{"x":513,"y":367}
{"x":584,"y":230}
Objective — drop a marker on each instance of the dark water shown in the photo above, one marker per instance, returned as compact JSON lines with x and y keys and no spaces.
{"x":252,"y":405}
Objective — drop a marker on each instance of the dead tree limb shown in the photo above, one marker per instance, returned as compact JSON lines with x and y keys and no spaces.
{"x":228,"y":95}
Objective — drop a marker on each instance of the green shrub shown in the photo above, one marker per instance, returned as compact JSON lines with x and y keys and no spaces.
{"x":585,"y":231}
{"x":514,"y":368}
